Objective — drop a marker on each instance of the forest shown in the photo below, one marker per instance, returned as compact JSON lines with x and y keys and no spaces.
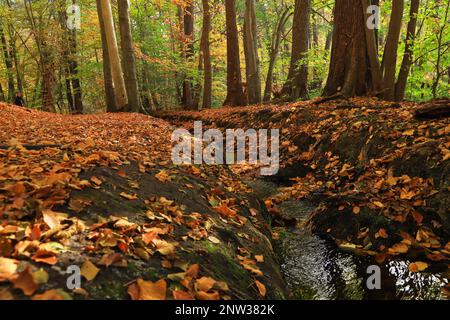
{"x":195,"y":54}
{"x":238,"y":150}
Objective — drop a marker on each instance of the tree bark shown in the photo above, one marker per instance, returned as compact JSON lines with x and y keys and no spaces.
{"x":274,"y":51}
{"x":349,"y":72}
{"x":235,"y":93}
{"x":252,"y":67}
{"x":114,"y":58}
{"x":400,"y":86}
{"x":372,"y":51}
{"x":390,"y":50}
{"x":188,"y":26}
{"x":8,"y":64}
{"x":111,"y":103}
{"x":296,"y":85}
{"x":128,"y":58}
{"x":206,"y":51}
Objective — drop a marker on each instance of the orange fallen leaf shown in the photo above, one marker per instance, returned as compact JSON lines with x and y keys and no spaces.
{"x":182,"y":295}
{"x":128,"y":196}
{"x":53,"y":294}
{"x":44,"y":256}
{"x":259,"y":258}
{"x":25,"y":282}
{"x":89,"y":270}
{"x":399,"y":248}
{"x":202,"y":295}
{"x":224,"y":210}
{"x":417,"y":266}
{"x":193,"y":270}
{"x":261,"y":288}
{"x":147,"y":290}
{"x":8,"y":267}
{"x":205,"y":283}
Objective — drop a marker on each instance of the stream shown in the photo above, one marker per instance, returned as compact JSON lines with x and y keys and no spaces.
{"x":316,"y":269}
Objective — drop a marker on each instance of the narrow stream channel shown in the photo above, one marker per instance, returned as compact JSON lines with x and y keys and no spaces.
{"x":314,"y":268}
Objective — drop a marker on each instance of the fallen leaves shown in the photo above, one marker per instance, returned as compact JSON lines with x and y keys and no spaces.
{"x":89,"y":270}
{"x":129,"y":196}
{"x":8,"y":268}
{"x":417,"y":266}
{"x":25,"y":282}
{"x":147,"y":290}
{"x":261,"y":288}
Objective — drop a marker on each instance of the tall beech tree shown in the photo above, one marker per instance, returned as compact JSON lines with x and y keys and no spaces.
{"x":235,"y":92}
{"x":188,"y":51}
{"x":274,"y":52}
{"x":114,"y":58}
{"x":128,"y":59}
{"x":405,"y":68}
{"x":111,"y":103}
{"x":296,"y":85}
{"x":252,"y":67}
{"x":206,"y":55}
{"x":390,"y":51}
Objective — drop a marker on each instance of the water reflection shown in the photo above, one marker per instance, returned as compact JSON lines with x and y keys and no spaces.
{"x":315,"y":269}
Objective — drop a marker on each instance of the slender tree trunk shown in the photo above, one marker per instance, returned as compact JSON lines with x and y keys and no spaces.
{"x":390,"y":50}
{"x":188,"y":26}
{"x":8,"y":64}
{"x":111,"y":102}
{"x":251,"y":54}
{"x":435,"y":85}
{"x":296,"y":85}
{"x":349,"y":72}
{"x":400,"y":86}
{"x":114,"y":58}
{"x":206,"y":51}
{"x":372,"y":51}
{"x":235,"y":93}
{"x":274,"y":51}
{"x":128,"y":59}
{"x":2,"y":94}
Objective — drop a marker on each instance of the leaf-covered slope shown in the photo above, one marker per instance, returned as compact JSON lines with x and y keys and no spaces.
{"x":99,"y":192}
{"x":382,"y":177}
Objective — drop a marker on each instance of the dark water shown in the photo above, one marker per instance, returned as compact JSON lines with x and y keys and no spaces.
{"x":315,"y":268}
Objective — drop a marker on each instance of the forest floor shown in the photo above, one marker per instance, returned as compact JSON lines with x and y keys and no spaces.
{"x":101,"y":192}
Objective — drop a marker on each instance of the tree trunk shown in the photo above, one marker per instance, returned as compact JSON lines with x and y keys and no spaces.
{"x":390,"y":50}
{"x":372,"y":50}
{"x":400,"y":86}
{"x":235,"y":93}
{"x":349,"y":72}
{"x":188,"y":26}
{"x":114,"y":58}
{"x":205,"y":47}
{"x":8,"y":64}
{"x":253,"y":76}
{"x":128,"y":59}
{"x":296,"y":85}
{"x":111,"y":103}
{"x":274,"y":51}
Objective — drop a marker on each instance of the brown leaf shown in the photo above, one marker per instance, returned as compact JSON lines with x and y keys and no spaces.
{"x":89,"y":270}
{"x":147,"y":290}
{"x":417,"y":266}
{"x":128,"y":196}
{"x":8,"y":268}
{"x":202,"y":295}
{"x":205,"y":283}
{"x":261,"y":288}
{"x":182,"y":295}
{"x":25,"y":282}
